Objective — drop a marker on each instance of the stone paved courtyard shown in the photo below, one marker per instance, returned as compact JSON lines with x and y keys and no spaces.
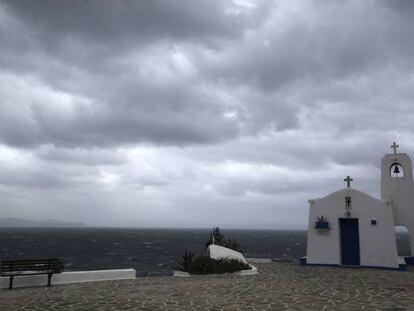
{"x":280,"y":286}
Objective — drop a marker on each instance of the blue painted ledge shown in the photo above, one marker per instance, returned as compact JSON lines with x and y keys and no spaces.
{"x":401,"y":266}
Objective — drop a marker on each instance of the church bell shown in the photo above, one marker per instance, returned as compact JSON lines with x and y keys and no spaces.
{"x":396,"y":170}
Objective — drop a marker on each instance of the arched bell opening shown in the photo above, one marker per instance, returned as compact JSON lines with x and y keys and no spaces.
{"x":396,"y":170}
{"x":403,"y":241}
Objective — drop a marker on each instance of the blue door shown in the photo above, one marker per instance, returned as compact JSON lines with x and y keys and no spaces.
{"x":349,"y":241}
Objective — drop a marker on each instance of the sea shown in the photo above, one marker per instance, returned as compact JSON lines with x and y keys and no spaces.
{"x":151,"y":252}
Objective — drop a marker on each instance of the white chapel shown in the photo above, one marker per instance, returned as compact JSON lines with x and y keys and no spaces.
{"x":351,"y":228}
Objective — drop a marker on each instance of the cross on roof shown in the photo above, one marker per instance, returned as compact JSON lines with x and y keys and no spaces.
{"x":394,"y":146}
{"x":348,"y":181}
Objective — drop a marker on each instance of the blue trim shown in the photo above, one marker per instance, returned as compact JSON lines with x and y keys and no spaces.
{"x":303,"y":262}
{"x":409,"y":260}
{"x":402,"y":267}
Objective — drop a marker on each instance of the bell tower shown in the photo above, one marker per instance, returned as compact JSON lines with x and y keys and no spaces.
{"x":397,"y":186}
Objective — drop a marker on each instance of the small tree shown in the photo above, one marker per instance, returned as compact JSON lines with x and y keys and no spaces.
{"x":218,"y":239}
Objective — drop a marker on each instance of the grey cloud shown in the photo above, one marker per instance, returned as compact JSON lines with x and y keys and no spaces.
{"x":56,"y":37}
{"x":34,"y":180}
{"x":104,"y":125}
{"x":65,"y":52}
{"x":319,"y":45}
{"x":183,"y":114}
{"x":78,"y":156}
{"x":179,"y":115}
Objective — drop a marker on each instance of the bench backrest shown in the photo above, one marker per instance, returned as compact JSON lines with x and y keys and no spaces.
{"x":50,"y":265}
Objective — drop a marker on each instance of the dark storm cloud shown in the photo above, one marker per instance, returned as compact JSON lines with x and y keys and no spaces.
{"x":110,"y":55}
{"x":128,"y":22}
{"x":132,"y":99}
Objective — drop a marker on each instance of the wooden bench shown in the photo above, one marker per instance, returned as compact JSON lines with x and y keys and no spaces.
{"x":12,"y":268}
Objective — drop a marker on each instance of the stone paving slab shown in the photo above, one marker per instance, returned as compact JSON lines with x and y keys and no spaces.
{"x":279,"y":286}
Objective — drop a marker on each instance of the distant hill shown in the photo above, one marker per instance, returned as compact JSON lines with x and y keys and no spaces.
{"x":17,"y":222}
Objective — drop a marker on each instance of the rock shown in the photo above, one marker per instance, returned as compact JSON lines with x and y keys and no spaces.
{"x":220,"y":252}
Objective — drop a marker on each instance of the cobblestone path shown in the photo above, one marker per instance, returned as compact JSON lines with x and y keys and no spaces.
{"x":279,"y":286}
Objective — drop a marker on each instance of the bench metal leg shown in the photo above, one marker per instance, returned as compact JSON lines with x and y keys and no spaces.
{"x":11,"y":282}
{"x":49,"y":276}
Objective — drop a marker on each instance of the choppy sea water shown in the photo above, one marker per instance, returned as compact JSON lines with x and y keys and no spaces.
{"x":148,"y":251}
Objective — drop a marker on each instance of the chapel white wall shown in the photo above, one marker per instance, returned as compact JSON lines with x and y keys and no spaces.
{"x":377,"y":242}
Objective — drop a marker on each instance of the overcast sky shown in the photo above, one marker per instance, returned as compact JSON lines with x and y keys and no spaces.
{"x":198,"y":113}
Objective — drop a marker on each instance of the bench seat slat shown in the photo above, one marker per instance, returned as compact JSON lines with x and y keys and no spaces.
{"x":27,"y":262}
{"x":32,"y":268}
{"x":29,"y":267}
{"x":31,"y":264}
{"x":27,"y":272}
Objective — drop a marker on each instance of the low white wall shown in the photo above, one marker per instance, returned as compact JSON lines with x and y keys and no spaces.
{"x":259,"y":260}
{"x":70,"y":277}
{"x":252,"y":271}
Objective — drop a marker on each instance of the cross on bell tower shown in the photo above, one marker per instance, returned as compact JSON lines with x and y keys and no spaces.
{"x":348,"y":181}
{"x":394,"y":146}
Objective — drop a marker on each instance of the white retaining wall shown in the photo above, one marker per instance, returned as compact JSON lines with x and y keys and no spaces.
{"x":70,"y":277}
{"x":183,"y":274}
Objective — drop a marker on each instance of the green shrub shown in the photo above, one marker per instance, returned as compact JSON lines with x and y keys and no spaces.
{"x":207,"y":265}
{"x":185,"y":261}
{"x":202,"y":265}
{"x":231,"y":265}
